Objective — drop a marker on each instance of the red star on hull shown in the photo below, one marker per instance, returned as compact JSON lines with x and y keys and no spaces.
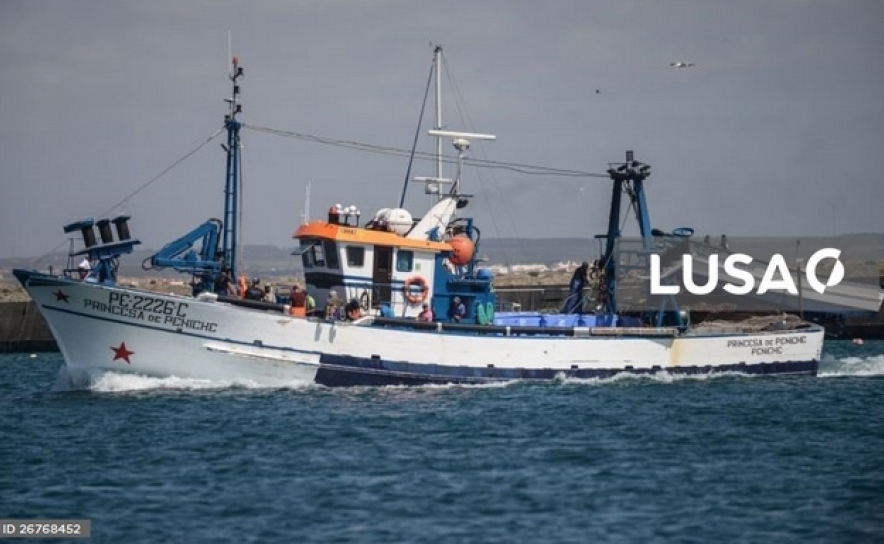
{"x":61,"y":296}
{"x":121,"y":352}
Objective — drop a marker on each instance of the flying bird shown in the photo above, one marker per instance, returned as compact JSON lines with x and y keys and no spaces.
{"x":681,"y":64}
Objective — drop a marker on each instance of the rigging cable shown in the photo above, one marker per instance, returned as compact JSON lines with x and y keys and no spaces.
{"x":142,"y":187}
{"x":417,"y":133}
{"x":528,"y":169}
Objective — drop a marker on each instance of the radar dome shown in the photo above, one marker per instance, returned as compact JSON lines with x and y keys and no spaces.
{"x":462,"y":250}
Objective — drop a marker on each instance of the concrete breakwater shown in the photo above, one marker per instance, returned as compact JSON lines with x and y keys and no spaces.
{"x":23,"y":329}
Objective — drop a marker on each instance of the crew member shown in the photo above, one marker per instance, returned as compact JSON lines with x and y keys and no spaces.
{"x":352,"y":310}
{"x":458,"y":310}
{"x":242,"y":287}
{"x":333,"y":306}
{"x":224,"y":284}
{"x":426,"y":313}
{"x":578,"y":282}
{"x":84,"y":268}
{"x":298,"y":301}
{"x":254,"y":292}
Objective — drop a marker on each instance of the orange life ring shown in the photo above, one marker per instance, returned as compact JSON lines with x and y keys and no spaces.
{"x":415,"y":297}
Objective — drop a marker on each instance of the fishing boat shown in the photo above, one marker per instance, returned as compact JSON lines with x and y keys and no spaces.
{"x":388,"y":268}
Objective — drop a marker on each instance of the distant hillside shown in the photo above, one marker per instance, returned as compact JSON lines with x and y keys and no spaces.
{"x":540,"y":250}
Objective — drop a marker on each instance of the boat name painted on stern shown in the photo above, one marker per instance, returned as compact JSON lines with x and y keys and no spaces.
{"x":153,"y":310}
{"x":767,"y":346}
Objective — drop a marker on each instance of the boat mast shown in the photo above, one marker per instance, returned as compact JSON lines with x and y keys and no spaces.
{"x":628,"y":177}
{"x":305,"y":215}
{"x":461,"y":140}
{"x":231,"y":191}
{"x":437,"y":55}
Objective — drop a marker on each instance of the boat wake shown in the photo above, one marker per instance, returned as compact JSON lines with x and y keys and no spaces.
{"x":831,"y":367}
{"x":118,"y":382}
{"x":446,"y":386}
{"x":659,"y":377}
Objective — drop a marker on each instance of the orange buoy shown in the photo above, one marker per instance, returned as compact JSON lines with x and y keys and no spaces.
{"x":462,"y":249}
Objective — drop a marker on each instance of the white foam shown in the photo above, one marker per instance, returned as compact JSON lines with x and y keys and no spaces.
{"x":851,"y":366}
{"x":485,"y":385}
{"x":661,"y":376}
{"x":117,"y":382}
{"x":112,"y":382}
{"x":444,"y":386}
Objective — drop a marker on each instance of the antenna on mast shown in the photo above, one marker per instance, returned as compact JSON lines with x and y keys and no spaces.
{"x":229,"y":52}
{"x":461,"y":142}
{"x":305,"y":215}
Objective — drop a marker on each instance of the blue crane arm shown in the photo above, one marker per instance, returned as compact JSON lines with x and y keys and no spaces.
{"x":182,"y":256}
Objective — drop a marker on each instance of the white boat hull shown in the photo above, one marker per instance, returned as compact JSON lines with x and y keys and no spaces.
{"x":101,"y":327}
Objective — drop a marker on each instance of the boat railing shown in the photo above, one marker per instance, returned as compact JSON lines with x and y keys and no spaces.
{"x":502,"y":330}
{"x":367,"y":293}
{"x":514,"y":299}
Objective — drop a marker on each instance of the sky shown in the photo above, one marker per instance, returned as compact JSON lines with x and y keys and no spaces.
{"x":775,"y":130}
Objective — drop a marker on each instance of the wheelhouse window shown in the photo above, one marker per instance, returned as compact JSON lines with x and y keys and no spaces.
{"x":331,"y":255}
{"x":404,"y":261}
{"x":318,"y":255}
{"x":356,"y":256}
{"x":305,"y":250}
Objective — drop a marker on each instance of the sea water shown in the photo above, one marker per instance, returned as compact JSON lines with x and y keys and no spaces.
{"x":718,"y":458}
